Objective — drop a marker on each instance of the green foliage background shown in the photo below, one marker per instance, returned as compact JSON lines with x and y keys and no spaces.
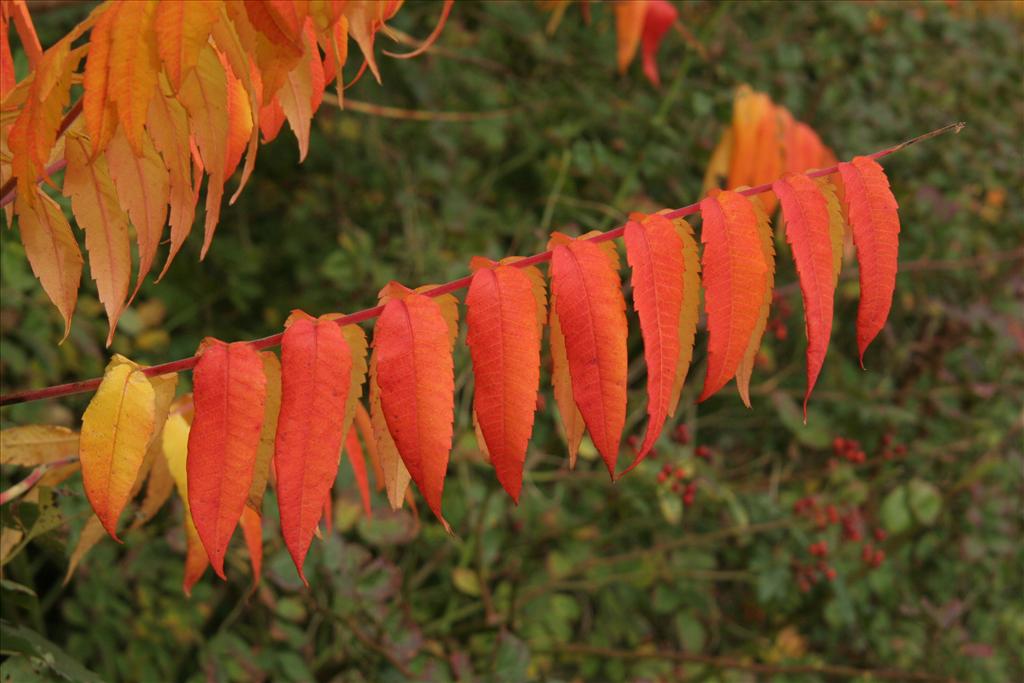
{"x":586,"y":580}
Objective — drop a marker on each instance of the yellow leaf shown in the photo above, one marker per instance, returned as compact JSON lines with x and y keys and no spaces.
{"x":92,"y":533}
{"x":52,"y":251}
{"x":175,"y":443}
{"x":116,"y":430}
{"x":837,"y":227}
{"x":33,"y":445}
{"x":396,"y":476}
{"x":98,"y":212}
{"x":690,"y":310}
{"x":265,"y":452}
{"x":356,"y":340}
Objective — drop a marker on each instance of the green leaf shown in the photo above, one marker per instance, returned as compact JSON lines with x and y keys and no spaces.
{"x":895,"y":512}
{"x":18,"y":640}
{"x":925,"y":501}
{"x":512,"y":660}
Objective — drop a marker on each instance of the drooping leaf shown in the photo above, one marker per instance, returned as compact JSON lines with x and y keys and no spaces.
{"x":654,"y":251}
{"x":805,"y":210}
{"x":252,"y":530}
{"x":735,"y":271}
{"x":658,"y":19}
{"x":561,"y":381}
{"x":182,"y":29}
{"x":51,"y":250}
{"x":302,"y":93}
{"x":92,"y":533}
{"x":504,"y":343}
{"x":837,"y":227}
{"x":756,"y":143}
{"x":364,"y":425}
{"x":629,"y":26}
{"x":355,"y":457}
{"x":229,"y":395}
{"x":133,"y":66}
{"x":689,"y":310}
{"x":316,"y":367}
{"x":98,"y":212}
{"x":142,"y":185}
{"x":176,"y":438}
{"x":159,"y":486}
{"x":271,"y":410}
{"x":168,"y":127}
{"x":33,"y":445}
{"x":98,"y":107}
{"x":746,"y":367}
{"x":116,"y":430}
{"x":240,"y":123}
{"x":7,"y":75}
{"x":587,"y":293}
{"x":414,"y":369}
{"x":872,"y":212}
{"x":204,"y":94}
{"x":393,"y":471}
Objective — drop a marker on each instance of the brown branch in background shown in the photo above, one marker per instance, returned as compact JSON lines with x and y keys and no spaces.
{"x":571,"y":650}
{"x":29,"y":482}
{"x":453,"y":286}
{"x":422,"y":115}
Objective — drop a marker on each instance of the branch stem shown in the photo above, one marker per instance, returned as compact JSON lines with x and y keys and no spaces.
{"x":453,"y":286}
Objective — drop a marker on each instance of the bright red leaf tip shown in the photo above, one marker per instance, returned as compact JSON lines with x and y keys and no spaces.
{"x":658,"y":19}
{"x":734,"y":270}
{"x":316,"y":368}
{"x":654,"y":250}
{"x":229,"y":392}
{"x":504,"y":341}
{"x":588,"y":297}
{"x":807,"y":232}
{"x":872,"y":212}
{"x":413,"y":351}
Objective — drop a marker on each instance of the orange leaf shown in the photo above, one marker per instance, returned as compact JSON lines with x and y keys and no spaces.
{"x":302,"y":93}
{"x":872,"y":212}
{"x":143,"y":188}
{"x":587,"y":295}
{"x":252,"y":530}
{"x":52,"y":251}
{"x":394,"y":474}
{"x":96,"y":207}
{"x":655,"y":253}
{"x":413,"y":349}
{"x":364,"y":425}
{"x":133,"y":66}
{"x":658,"y":19}
{"x":746,"y":367}
{"x":355,"y":457}
{"x":168,"y":127}
{"x":229,"y":395}
{"x":271,"y":410}
{"x":98,"y":106}
{"x":504,"y":342}
{"x":756,"y":143}
{"x":175,"y":443}
{"x":629,"y":26}
{"x":837,"y":227}
{"x":807,"y":231}
{"x":7,"y":75}
{"x":239,"y":122}
{"x":689,"y":309}
{"x":316,"y":367}
{"x":204,"y":94}
{"x":182,"y":29}
{"x":734,"y":280}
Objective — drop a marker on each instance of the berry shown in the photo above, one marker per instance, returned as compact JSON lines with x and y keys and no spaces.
{"x":703,"y":452}
{"x":662,"y":476}
{"x":880,"y":535}
{"x":681,"y":434}
{"x":830,"y":573}
{"x":679,"y":473}
{"x":833,"y":514}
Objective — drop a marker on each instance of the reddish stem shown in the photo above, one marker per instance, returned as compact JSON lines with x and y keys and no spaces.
{"x":454,"y":285}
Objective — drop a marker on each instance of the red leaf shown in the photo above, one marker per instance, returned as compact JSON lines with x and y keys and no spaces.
{"x":807,"y":231}
{"x":588,"y":296}
{"x":655,"y":253}
{"x":229,"y":392}
{"x":355,"y":457}
{"x":872,"y":212}
{"x":504,"y":342}
{"x":659,"y":18}
{"x":734,"y":279}
{"x":316,"y":367}
{"x":413,"y":350}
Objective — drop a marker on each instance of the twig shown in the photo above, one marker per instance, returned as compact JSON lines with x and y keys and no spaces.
{"x":453,"y":286}
{"x":830,"y":670}
{"x":29,"y":482}
{"x":422,"y":115}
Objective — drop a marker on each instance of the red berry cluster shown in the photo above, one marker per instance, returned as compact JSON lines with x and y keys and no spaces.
{"x":687,"y":490}
{"x":681,"y":434}
{"x":891,"y":450}
{"x":848,"y":449}
{"x":873,"y":557}
{"x":811,"y":573}
{"x":703,"y":452}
